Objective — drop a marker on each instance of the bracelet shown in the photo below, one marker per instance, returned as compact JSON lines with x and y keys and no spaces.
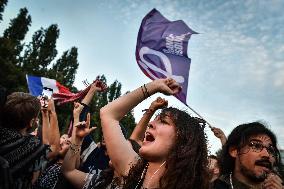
{"x":83,"y":104}
{"x":75,"y":148}
{"x":148,"y":111}
{"x":144,"y":94}
{"x":148,"y":95}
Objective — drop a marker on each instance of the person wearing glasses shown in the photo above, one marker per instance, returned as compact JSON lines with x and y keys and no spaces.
{"x":250,"y":159}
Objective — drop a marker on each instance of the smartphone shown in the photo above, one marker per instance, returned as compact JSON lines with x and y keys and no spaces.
{"x":47,"y":92}
{"x":43,"y":101}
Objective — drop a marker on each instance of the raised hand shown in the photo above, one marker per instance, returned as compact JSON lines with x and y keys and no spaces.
{"x":76,"y":111}
{"x":167,"y":86}
{"x":82,"y":129}
{"x":158,"y":103}
{"x":219,"y":134}
{"x":44,"y":103}
{"x":51,"y":106}
{"x":273,"y":181}
{"x":98,"y":85}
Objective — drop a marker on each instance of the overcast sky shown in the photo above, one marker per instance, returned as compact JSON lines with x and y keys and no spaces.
{"x":237,"y":60}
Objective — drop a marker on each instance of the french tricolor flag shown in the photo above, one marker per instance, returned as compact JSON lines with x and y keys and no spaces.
{"x":42,"y":85}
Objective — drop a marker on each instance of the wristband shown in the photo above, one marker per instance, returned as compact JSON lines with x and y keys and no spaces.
{"x":75,"y":148}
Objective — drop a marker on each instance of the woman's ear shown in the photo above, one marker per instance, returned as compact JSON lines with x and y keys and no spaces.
{"x":233,"y":151}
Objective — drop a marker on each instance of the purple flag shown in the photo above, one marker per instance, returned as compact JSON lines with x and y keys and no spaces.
{"x":161,"y":49}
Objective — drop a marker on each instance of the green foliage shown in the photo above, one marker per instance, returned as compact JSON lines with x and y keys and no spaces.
{"x":18,"y":26}
{"x":12,"y":75}
{"x":103,"y":98}
{"x":41,"y":51}
{"x":37,"y":58}
{"x":17,"y":60}
{"x":65,"y":68}
{"x":3,"y":3}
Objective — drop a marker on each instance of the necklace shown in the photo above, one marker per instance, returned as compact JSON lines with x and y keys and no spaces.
{"x":231,"y":182}
{"x":155,"y":173}
{"x":232,"y":186}
{"x":144,"y":174}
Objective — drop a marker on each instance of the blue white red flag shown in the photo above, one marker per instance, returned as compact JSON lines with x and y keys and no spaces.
{"x":161,"y":49}
{"x":50,"y":87}
{"x":42,"y":85}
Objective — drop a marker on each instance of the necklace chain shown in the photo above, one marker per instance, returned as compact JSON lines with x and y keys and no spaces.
{"x":155,"y":173}
{"x":231,"y":182}
{"x":144,"y":173}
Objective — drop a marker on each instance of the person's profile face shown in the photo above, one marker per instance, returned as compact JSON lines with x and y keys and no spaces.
{"x":256,"y":159}
{"x":64,"y":141}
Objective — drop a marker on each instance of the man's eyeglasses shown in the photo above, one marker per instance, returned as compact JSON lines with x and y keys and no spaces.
{"x":258,"y":147}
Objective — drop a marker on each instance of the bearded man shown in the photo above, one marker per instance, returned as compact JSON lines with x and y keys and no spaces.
{"x":250,"y":159}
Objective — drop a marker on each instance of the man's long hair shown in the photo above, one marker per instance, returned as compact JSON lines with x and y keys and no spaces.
{"x":238,"y":138}
{"x":187,"y":162}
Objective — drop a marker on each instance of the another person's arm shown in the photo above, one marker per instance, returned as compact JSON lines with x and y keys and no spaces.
{"x":53,"y":130}
{"x":96,"y":86}
{"x":139,"y":131}
{"x":120,"y":153}
{"x":219,"y":134}
{"x":45,"y":126}
{"x":80,"y":130}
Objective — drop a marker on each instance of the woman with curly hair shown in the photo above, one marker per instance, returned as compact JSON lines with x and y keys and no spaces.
{"x":174,"y":150}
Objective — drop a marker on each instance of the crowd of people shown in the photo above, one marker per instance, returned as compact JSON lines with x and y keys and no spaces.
{"x":169,"y":151}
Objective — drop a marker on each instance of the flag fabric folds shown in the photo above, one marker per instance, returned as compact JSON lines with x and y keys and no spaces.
{"x":39,"y":85}
{"x":161,"y":49}
{"x":67,"y":97}
{"x":62,"y":98}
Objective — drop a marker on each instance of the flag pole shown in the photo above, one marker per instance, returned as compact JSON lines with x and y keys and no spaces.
{"x":210,"y":126}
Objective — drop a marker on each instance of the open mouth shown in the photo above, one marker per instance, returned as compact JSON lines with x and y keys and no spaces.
{"x":264,"y":164}
{"x":149,"y":137}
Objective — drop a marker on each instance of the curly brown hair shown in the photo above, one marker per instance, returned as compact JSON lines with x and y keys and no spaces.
{"x":187,"y":162}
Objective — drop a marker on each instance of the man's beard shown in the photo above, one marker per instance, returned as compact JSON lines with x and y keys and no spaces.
{"x":251,"y":175}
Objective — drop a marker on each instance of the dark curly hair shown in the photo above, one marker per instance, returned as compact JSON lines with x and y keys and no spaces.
{"x":239,"y":137}
{"x":187,"y":162}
